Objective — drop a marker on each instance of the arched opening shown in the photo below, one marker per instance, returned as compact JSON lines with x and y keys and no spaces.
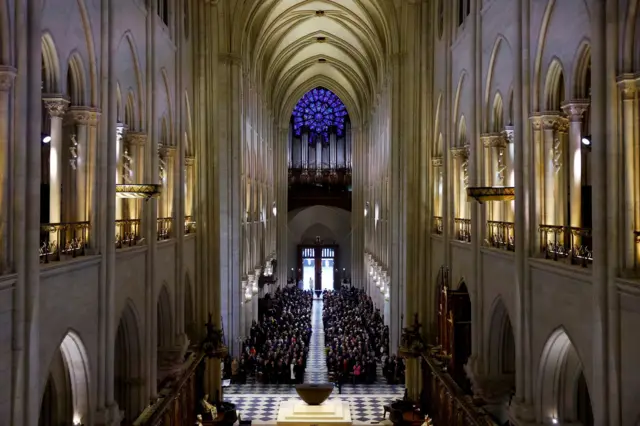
{"x":128,"y":384}
{"x":66,"y":392}
{"x":498,"y":114}
{"x":502,"y":359}
{"x":460,"y":316}
{"x":563,"y":395}
{"x":583,"y":89}
{"x":190,"y":326}
{"x":49,"y":84}
{"x":165,"y":322}
{"x":554,"y":87}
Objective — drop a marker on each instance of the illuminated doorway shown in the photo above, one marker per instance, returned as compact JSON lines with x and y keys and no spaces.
{"x":309,"y":271}
{"x":317,"y":266}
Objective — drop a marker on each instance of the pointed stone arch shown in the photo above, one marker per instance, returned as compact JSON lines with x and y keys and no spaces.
{"x":456,"y":102}
{"x":50,"y":66}
{"x":71,"y":377}
{"x":582,"y":71}
{"x":128,"y":369}
{"x":501,"y":347}
{"x":554,"y":87}
{"x":76,"y":81}
{"x":165,"y":319}
{"x":497,"y":114}
{"x":190,"y":324}
{"x":169,"y":115}
{"x":561,"y":386}
{"x":462,"y":132}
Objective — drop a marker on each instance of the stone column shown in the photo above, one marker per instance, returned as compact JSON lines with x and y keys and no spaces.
{"x":57,"y":107}
{"x":188,"y":204}
{"x":248,"y":302}
{"x":436,"y":163}
{"x":499,"y":163}
{"x":628,"y":86}
{"x":575,"y":110}
{"x":549,"y":126}
{"x":509,"y":210}
{"x":120,"y":134}
{"x":82,"y":116}
{"x":456,"y":153}
{"x":7,"y":76}
{"x":136,"y":142}
{"x":538,"y":215}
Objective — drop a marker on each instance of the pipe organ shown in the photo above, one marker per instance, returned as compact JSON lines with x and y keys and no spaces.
{"x":306,"y":152}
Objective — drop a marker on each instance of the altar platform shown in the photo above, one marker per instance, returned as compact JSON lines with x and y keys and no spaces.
{"x":294,"y":412}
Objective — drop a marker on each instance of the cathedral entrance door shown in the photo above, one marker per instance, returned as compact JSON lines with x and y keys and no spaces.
{"x":317,"y":265}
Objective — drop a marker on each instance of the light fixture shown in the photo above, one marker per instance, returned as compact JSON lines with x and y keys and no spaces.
{"x":76,"y":418}
{"x":274,"y":210}
{"x":46,"y":138}
{"x":366,"y":209}
{"x":586,"y":140}
{"x":554,"y":420}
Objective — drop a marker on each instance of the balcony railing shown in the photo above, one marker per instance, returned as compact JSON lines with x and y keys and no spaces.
{"x":463,"y":229}
{"x":501,"y":235}
{"x":127,"y":233}
{"x":164,"y":228}
{"x":60,"y":241}
{"x":189,"y":225}
{"x":437,"y":225}
{"x":566,"y":242}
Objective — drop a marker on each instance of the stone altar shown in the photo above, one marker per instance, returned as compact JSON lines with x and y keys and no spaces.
{"x":298,"y":413}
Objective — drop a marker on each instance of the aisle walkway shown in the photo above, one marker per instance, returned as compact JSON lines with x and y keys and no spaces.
{"x":259,"y":402}
{"x":316,"y":371}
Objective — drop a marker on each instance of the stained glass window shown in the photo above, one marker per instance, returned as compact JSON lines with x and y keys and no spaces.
{"x":319,"y":112}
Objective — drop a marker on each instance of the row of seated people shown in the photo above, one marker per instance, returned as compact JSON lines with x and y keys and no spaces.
{"x":355,"y":335}
{"x":276,"y":351}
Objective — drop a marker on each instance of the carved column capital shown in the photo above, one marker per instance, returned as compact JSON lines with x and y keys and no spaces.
{"x":509,"y":133}
{"x":575,"y":109}
{"x":7,"y":77}
{"x":84,"y":115}
{"x":167,"y":150}
{"x":189,"y":161}
{"x":550,"y":120}
{"x":56,"y":104}
{"x":536,"y":121}
{"x":136,"y":138}
{"x":460,"y":152}
{"x":436,"y":161}
{"x":230,"y":59}
{"x":628,"y":85}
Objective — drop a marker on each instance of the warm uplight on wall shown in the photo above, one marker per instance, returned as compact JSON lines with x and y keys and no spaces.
{"x":76,"y":420}
{"x":554,"y":420}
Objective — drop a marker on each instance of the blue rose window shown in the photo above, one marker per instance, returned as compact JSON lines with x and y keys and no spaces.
{"x":319,"y":111}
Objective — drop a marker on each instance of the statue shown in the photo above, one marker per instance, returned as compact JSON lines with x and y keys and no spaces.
{"x":199,"y":420}
{"x":208,"y":407}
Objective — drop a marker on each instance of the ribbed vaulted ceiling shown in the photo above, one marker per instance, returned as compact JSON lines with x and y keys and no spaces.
{"x":295,"y":45}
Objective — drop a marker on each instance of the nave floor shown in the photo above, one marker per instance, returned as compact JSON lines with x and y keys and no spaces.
{"x":259,"y":402}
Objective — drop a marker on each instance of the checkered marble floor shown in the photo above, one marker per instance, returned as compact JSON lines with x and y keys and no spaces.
{"x":316,"y":371}
{"x":263,"y":409}
{"x":259,"y":402}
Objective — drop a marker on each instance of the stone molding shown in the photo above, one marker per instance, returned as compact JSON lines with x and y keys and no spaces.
{"x":189,"y":161}
{"x":7,"y":77}
{"x":136,"y":138}
{"x":629,"y":85}
{"x":460,"y":151}
{"x":493,"y":140}
{"x":575,"y":109}
{"x":167,"y":150}
{"x":436,"y":161}
{"x":56,"y":104}
{"x":84,"y":115}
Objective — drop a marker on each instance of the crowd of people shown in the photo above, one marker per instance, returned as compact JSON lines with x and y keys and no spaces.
{"x":356,"y":338}
{"x":276,"y":351}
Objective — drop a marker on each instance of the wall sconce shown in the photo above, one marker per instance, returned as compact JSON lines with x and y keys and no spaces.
{"x":46,"y":139}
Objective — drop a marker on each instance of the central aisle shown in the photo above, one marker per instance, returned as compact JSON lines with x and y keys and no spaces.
{"x":316,"y":371}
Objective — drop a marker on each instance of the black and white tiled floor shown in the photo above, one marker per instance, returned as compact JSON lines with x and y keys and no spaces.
{"x":259,"y":402}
